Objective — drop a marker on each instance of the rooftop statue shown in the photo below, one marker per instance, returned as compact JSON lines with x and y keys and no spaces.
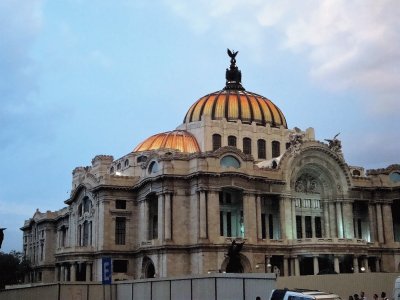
{"x":233,"y":75}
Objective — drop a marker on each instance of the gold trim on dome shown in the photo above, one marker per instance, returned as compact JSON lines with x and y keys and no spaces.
{"x":180,"y":140}
{"x":236,"y":105}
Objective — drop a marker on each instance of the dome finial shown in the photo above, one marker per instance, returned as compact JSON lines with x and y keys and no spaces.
{"x":233,"y":75}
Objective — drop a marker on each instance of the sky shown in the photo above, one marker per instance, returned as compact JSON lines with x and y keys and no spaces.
{"x":82,"y":78}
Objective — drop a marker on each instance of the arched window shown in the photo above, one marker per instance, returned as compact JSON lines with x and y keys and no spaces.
{"x":261,"y":149}
{"x":230,"y":161}
{"x":356,"y":173}
{"x":153,"y":168}
{"x":276,"y":149}
{"x":126,"y":162}
{"x":394,"y":176}
{"x":216,"y":140}
{"x":232,"y":140}
{"x":112,"y":170}
{"x":86,"y":204}
{"x":247,"y":145}
{"x":119,"y":166}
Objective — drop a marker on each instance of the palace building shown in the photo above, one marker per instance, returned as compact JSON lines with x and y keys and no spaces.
{"x":232,"y":171}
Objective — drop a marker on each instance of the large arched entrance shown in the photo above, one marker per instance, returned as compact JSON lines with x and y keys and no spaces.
{"x":148,"y":269}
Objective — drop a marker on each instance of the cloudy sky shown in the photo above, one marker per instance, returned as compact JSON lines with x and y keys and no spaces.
{"x":80,"y":78}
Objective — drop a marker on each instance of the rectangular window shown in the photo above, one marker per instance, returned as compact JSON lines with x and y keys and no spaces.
{"x":232,"y":141}
{"x":120,"y":204}
{"x":85,"y":233}
{"x":271,"y":226}
{"x":318,"y":227}
{"x":299,"y":228}
{"x":120,"y":230}
{"x":359,"y":230}
{"x":308,"y":226}
{"x":120,"y":266}
{"x":263,"y":229}
{"x":276,"y":149}
{"x":261,"y":149}
{"x":247,"y":146}
{"x":221,"y":223}
{"x":228,"y":224}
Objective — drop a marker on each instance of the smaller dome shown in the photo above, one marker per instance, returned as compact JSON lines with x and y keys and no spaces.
{"x":180,"y":140}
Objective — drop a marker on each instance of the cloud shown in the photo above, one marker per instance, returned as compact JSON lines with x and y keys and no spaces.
{"x":349,"y":45}
{"x":20,"y":23}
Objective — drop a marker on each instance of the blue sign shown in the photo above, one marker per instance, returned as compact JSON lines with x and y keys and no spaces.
{"x":106,"y":268}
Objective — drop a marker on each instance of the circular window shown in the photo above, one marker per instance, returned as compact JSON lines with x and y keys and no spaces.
{"x":153,"y":167}
{"x":395,"y":176}
{"x":230,"y":161}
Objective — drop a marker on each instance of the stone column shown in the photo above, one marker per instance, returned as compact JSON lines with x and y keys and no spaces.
{"x":168,"y":219}
{"x":144,"y":224}
{"x":88,"y":270}
{"x":355,"y":264}
{"x":313,"y":227}
{"x":292,"y":272}
{"x":336,"y":264}
{"x":293,"y":217}
{"x":249,"y":215}
{"x":348,"y":222}
{"x":387,"y":223}
{"x":365,"y":264}
{"x":66,"y":271}
{"x":303,"y":227}
{"x":202,"y":215}
{"x":316,"y":265}
{"x":372,"y":223}
{"x":377,"y":264}
{"x":62,"y":273}
{"x":379,"y":222}
{"x":296,"y":266}
{"x":286,"y":218}
{"x":285,"y":266}
{"x":339,"y":220}
{"x":327,"y":232}
{"x":332,"y":220}
{"x":259,"y":212}
{"x":73,"y":271}
{"x":161,"y":216}
{"x":213,"y":216}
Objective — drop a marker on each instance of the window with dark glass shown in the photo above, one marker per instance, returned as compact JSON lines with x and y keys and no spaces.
{"x":153,"y":217}
{"x":247,"y":146}
{"x":120,"y":230}
{"x":141,"y":158}
{"x":126,"y":162}
{"x":216,"y":140}
{"x":120,"y":204}
{"x":307,"y":221}
{"x":232,"y":141}
{"x":299,"y":228}
{"x":271,"y":226}
{"x":86,"y":204}
{"x":261,"y":150}
{"x":263,"y":229}
{"x":120,"y":266}
{"x":119,"y":166}
{"x":231,"y":213}
{"x":276,"y":149}
{"x":230,"y":161}
{"x":318,"y":227}
{"x":85,"y":241}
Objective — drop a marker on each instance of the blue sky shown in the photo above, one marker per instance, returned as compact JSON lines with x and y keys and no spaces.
{"x":81,"y":78}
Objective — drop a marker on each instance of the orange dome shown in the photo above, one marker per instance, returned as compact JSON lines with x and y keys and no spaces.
{"x":236,"y":104}
{"x":180,"y":140}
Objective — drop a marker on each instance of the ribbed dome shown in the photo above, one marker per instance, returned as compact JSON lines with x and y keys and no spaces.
{"x":180,"y":140}
{"x":235,"y":104}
